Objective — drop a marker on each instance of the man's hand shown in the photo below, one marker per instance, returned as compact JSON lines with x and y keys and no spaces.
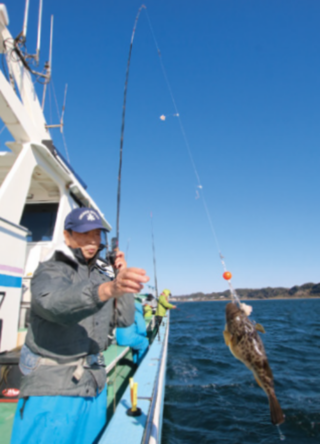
{"x":128,"y":280}
{"x":120,"y":261}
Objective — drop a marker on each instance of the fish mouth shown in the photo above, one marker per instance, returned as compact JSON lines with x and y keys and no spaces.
{"x":231,"y":310}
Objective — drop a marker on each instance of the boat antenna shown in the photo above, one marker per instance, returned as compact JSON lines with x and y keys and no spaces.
{"x":116,"y":241}
{"x":48,"y":66}
{"x":22,"y":37}
{"x":154,"y":259}
{"x":39,"y":33}
{"x":23,"y":34}
{"x":19,"y":49}
{"x":51,"y":37}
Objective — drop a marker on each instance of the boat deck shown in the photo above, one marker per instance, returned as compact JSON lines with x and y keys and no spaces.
{"x":151,"y":384}
{"x":119,"y":369}
{"x":7,"y":412}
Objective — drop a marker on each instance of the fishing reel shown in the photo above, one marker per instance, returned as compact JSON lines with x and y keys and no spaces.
{"x":111,"y":254}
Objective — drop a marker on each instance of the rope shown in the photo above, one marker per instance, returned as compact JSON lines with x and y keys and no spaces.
{"x":3,"y":128}
{"x":50,"y":106}
{"x":234,"y":295}
{"x":63,"y":138}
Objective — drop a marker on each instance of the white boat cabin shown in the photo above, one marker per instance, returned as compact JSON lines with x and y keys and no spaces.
{"x":38,"y":188}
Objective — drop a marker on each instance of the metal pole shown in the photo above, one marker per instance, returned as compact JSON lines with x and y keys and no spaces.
{"x":39,"y":32}
{"x":25,"y":21}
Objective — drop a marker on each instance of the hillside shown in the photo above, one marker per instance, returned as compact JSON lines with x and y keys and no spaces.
{"x":308,"y":290}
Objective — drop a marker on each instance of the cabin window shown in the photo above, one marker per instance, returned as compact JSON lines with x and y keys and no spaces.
{"x":103,"y":252}
{"x":40,"y":220}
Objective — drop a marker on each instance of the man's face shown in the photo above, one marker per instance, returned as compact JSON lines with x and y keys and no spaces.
{"x":88,"y":242}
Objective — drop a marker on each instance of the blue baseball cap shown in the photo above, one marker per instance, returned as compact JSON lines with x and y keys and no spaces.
{"x":82,"y":220}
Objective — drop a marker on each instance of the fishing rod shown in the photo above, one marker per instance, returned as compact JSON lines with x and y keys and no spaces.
{"x":111,"y":254}
{"x":115,"y":240}
{"x":154,"y":260}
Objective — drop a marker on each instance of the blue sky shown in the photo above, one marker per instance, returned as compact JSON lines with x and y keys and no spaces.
{"x":245,"y":76}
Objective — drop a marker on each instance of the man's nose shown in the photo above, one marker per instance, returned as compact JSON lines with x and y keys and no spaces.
{"x":93,"y":240}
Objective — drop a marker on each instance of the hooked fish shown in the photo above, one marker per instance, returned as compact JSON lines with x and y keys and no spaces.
{"x":245,"y":344}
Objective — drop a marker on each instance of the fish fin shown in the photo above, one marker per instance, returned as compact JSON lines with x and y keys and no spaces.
{"x":277,"y":416}
{"x":260,"y":328}
{"x":227,"y":337}
{"x":234,"y":340}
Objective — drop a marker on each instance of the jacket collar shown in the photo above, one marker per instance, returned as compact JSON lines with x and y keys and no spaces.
{"x":73,"y":254}
{"x":65,"y":250}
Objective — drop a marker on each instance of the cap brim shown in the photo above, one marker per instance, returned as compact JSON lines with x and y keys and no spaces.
{"x":84,"y":228}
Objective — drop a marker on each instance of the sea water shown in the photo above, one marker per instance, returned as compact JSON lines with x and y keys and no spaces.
{"x":213,"y":398}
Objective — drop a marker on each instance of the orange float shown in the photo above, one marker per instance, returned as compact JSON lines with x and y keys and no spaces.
{"x":227,"y":275}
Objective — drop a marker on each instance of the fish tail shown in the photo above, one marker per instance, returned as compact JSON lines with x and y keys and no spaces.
{"x":277,"y":416}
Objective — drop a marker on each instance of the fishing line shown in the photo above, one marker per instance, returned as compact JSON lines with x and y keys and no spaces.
{"x":164,"y":117}
{"x":199,"y":187}
{"x":177,"y":114}
{"x":281,"y":435}
{"x":227,"y":275}
{"x":127,"y":249}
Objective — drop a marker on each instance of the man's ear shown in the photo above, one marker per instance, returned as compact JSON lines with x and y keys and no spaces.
{"x":67,"y":235}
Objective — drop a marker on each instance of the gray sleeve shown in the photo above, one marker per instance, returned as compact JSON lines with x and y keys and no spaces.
{"x":125,"y":310}
{"x":57,"y":299}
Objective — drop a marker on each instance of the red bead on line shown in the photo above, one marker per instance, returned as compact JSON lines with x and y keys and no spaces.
{"x":227,"y":275}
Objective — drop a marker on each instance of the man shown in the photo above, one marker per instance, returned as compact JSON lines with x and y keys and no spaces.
{"x":64,"y":386}
{"x":134,"y":334}
{"x":163,"y":306}
{"x":149,"y":306}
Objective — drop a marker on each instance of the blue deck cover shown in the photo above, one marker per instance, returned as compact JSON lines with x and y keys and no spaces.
{"x":123,"y":428}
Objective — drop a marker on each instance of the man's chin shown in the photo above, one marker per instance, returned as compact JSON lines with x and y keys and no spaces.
{"x":89,"y":255}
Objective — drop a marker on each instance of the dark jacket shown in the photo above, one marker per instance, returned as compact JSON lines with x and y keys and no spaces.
{"x":68,"y":321}
{"x":125,"y":310}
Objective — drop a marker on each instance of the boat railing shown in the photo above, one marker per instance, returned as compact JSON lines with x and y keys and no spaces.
{"x":150,"y":377}
{"x":154,"y":422}
{"x":19,"y":227}
{"x":122,"y":354}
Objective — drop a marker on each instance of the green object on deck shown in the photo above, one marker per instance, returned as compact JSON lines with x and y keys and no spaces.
{"x":118,"y":376}
{"x":7,"y":412}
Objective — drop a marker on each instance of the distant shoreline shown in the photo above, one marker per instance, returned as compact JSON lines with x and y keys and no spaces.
{"x":244,"y":299}
{"x":305,"y":291}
